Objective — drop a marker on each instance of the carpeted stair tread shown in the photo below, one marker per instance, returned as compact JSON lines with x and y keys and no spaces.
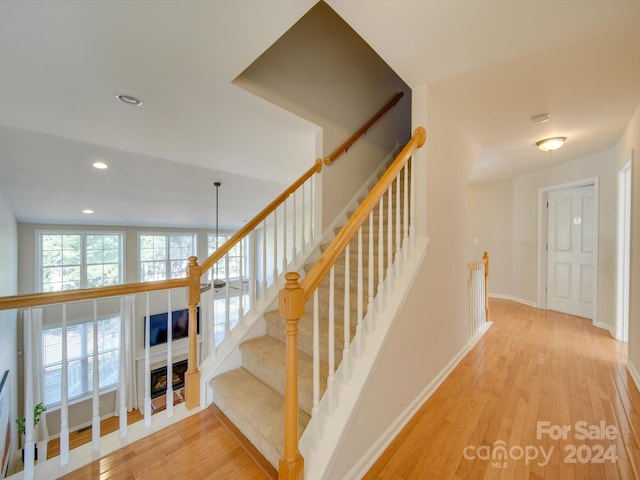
{"x":264,"y":357}
{"x":261,"y":417}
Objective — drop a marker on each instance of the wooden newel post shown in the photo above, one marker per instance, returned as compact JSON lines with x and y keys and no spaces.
{"x":485,"y":258}
{"x":291,"y":465}
{"x":192,"y":377}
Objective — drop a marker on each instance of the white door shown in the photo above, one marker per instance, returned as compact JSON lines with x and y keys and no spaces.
{"x":570,"y":244}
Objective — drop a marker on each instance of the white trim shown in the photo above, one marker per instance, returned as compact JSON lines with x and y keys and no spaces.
{"x":605,"y":326}
{"x":61,"y":230}
{"x":542,"y":239}
{"x":634,"y":374}
{"x":513,"y":299}
{"x":623,"y":245}
{"x":362,"y":466}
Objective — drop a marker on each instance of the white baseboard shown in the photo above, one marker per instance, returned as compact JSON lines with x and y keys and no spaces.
{"x":513,"y":299}
{"x":362,"y":466}
{"x":605,"y":326}
{"x":634,"y":374}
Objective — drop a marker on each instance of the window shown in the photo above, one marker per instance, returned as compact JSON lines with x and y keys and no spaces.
{"x":73,"y":260}
{"x":165,"y":256}
{"x":234,"y":256}
{"x":80,"y":359}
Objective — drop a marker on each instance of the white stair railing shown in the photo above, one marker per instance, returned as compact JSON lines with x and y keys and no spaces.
{"x":388,"y":192}
{"x":477,"y":283}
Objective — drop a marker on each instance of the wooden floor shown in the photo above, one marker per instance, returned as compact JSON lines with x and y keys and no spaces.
{"x":203,"y":446}
{"x":531,"y":367}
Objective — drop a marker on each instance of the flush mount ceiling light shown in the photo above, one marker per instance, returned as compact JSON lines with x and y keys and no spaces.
{"x":88,"y":211}
{"x":100,"y":165}
{"x":551,"y":144}
{"x":129,"y":99}
{"x":541,"y":118}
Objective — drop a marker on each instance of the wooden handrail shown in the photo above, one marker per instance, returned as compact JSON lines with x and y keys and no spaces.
{"x":255,"y":221}
{"x":348,"y":232}
{"x":352,"y":139}
{"x":53,"y":298}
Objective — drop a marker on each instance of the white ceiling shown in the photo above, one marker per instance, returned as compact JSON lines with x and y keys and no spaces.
{"x":496,"y":63}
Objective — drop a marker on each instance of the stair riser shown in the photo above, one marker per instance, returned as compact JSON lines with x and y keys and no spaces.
{"x":275,"y":329}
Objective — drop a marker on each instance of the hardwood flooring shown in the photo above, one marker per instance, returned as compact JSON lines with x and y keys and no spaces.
{"x":532,"y":367}
{"x":203,"y":446}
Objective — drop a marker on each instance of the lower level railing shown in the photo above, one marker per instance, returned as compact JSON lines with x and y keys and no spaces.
{"x":478,"y":285}
{"x":107,"y":351}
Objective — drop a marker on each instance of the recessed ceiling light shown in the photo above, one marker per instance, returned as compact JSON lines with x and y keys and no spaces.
{"x":551,"y":144}
{"x":541,"y":118}
{"x":88,"y":211}
{"x":100,"y":165}
{"x":129,"y":99}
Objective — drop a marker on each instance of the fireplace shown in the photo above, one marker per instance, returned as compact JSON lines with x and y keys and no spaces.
{"x":159,"y":378}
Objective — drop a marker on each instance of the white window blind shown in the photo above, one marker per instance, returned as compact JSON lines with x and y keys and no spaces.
{"x":80,"y":358}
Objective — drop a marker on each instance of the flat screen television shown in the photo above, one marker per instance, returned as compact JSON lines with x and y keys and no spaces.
{"x":179,"y":322}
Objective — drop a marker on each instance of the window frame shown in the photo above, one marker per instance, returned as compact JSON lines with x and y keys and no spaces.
{"x":83,"y":283}
{"x":167,"y":260}
{"x":228,"y":235}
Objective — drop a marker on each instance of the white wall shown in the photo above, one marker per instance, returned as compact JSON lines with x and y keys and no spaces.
{"x":525,"y":226}
{"x":490,"y":207}
{"x":323,"y":71}
{"x":431,"y":328}
{"x":9,"y":286}
{"x":630,"y":141}
{"x":504,"y":217}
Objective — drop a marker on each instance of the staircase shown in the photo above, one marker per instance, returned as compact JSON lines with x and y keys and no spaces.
{"x":252,"y":396}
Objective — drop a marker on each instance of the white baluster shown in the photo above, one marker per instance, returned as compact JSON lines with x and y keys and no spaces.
{"x":316,"y":354}
{"x":346,"y":321}
{"x":64,"y":394}
{"x":28,"y":396}
{"x":284,"y":236}
{"x":390,"y":239}
{"x":331,"y":341}
{"x":264,"y":258}
{"x":241,"y":286}
{"x":294,"y":246}
{"x":380,"y":295}
{"x":312,"y":224}
{"x":213,"y":318}
{"x":95,"y":423}
{"x":405,"y":206}
{"x":304,"y":223}
{"x":147,"y":364}
{"x":252,"y":271}
{"x":412,"y":202}
{"x":359,"y":332}
{"x":275,"y":247}
{"x":227,"y":299}
{"x":371,"y":274}
{"x":169,"y":393}
{"x":398,"y":232}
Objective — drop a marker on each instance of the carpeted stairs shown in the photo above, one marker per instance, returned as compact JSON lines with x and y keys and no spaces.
{"x":252,"y":396}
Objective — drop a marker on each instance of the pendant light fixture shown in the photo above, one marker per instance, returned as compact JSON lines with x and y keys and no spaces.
{"x":217,"y":283}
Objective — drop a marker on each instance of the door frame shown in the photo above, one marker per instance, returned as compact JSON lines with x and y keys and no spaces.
{"x":543,"y":194}
{"x":623,"y":249}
